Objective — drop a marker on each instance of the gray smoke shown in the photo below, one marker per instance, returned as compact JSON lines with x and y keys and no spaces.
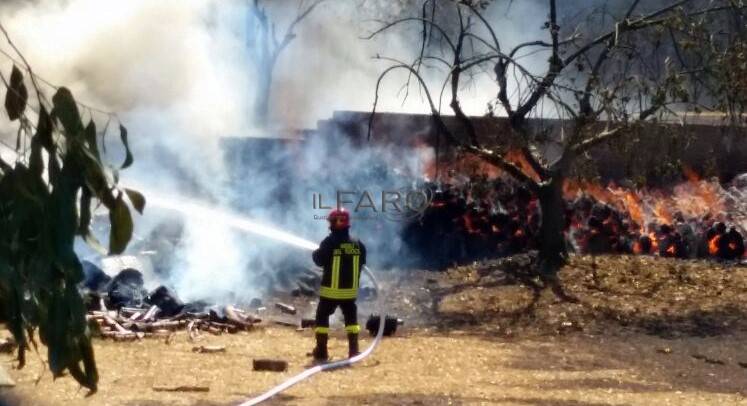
{"x":180,"y":75}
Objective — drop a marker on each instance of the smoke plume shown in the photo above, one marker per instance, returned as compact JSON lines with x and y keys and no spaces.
{"x":180,"y":75}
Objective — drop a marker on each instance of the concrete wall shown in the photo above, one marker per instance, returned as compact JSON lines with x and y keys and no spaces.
{"x":654,"y":153}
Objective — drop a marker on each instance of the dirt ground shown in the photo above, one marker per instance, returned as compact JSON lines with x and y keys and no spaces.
{"x":644,"y":332}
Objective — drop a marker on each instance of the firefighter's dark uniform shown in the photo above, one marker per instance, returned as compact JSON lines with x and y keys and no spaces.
{"x":342,"y":258}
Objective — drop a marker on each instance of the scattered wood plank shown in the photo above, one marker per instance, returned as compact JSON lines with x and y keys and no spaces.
{"x":274,"y":365}
{"x":285,"y":308}
{"x":113,"y":323}
{"x":181,"y":388}
{"x":209,"y":349}
{"x":151,"y":313}
{"x":235,"y":317}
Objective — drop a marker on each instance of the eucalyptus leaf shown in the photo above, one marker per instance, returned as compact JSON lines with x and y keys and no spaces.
{"x":128,"y":154}
{"x":17,"y":96}
{"x":137,"y":199}
{"x":121,"y":227}
{"x":66,"y":111}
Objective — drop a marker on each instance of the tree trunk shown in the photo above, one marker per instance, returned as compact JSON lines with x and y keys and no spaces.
{"x":262,"y":95}
{"x":552,"y":247}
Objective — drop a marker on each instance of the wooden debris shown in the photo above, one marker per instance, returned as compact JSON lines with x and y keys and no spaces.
{"x":287,"y":309}
{"x":181,"y":388}
{"x":274,"y":365}
{"x":236,"y":317}
{"x":130,"y":323}
{"x":664,"y":350}
{"x":113,"y":323}
{"x":286,"y":323}
{"x":224,"y":327}
{"x":118,"y":336}
{"x":209,"y":349}
{"x":151,"y":313}
{"x":193,"y":333}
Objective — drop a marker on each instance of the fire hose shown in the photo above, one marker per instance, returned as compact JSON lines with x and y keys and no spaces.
{"x":196,"y":209}
{"x":328,"y":366}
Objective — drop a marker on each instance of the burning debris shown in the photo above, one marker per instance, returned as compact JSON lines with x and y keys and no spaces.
{"x":481,"y":217}
{"x":390,"y":324}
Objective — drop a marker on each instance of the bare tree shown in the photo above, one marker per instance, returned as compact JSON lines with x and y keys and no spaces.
{"x":269,"y":48}
{"x":600,"y":85}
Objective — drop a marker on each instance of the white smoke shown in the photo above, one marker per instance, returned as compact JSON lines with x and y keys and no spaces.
{"x":180,"y":75}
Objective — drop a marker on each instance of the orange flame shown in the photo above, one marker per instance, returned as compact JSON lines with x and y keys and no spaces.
{"x":690,"y":174}
{"x":633,"y":204}
{"x":654,"y":242}
{"x":662,"y":213}
{"x":713,"y":244}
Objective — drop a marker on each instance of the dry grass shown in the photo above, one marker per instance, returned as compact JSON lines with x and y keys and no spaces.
{"x":646,"y":332}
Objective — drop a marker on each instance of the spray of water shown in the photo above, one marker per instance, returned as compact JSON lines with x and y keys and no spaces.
{"x":200,"y":211}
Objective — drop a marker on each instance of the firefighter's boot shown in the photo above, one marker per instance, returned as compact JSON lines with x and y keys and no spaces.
{"x":353,"y":345}
{"x":320,"y":351}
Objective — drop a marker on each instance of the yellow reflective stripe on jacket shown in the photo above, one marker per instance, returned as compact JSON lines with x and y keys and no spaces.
{"x":356,"y":266}
{"x":331,"y":293}
{"x":335,"y":272}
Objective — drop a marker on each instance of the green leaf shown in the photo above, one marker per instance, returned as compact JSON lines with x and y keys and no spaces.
{"x":137,"y":199}
{"x":66,"y":110}
{"x":85,"y":211}
{"x":128,"y":157}
{"x":57,"y":332}
{"x":15,"y":100}
{"x":36,"y":161}
{"x":94,"y":243}
{"x":44,"y":130}
{"x":90,"y":134}
{"x":121,"y":227}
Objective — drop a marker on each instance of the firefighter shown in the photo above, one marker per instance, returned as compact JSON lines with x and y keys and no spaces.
{"x":342,"y":258}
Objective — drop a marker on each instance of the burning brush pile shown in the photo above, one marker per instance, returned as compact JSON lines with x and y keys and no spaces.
{"x":481,"y":217}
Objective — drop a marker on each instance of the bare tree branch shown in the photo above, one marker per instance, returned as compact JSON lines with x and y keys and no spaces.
{"x":541,"y":44}
{"x":624,"y":26}
{"x":423,"y":20}
{"x":605,"y":135}
{"x":289,"y":34}
{"x":488,"y":155}
{"x":556,"y":65}
{"x":497,"y":45}
{"x":455,"y":75}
